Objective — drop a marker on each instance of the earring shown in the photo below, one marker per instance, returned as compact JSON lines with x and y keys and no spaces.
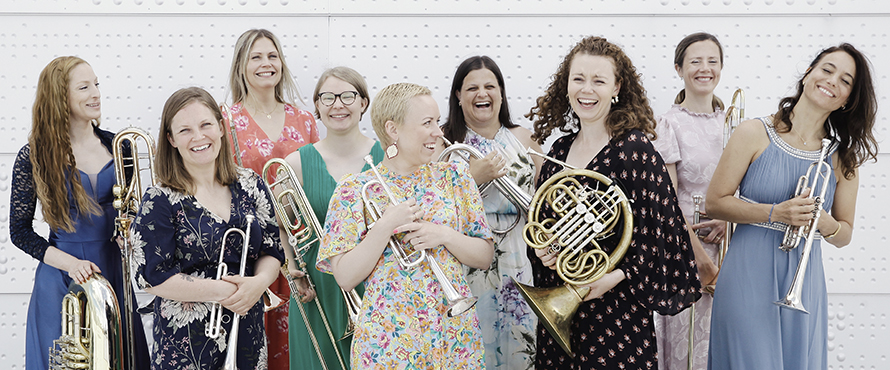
{"x":615,"y":99}
{"x":392,"y":151}
{"x":459,"y":104}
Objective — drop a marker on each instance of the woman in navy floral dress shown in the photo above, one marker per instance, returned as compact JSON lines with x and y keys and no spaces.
{"x":596,"y":97}
{"x":178,"y":236}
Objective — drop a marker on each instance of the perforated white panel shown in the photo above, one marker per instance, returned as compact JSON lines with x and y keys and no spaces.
{"x":143,"y":50}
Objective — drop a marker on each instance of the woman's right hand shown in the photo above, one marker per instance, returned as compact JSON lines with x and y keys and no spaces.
{"x":401,"y":214}
{"x":548,"y":257}
{"x":81,"y":270}
{"x":797,"y":211}
{"x":488,"y":168}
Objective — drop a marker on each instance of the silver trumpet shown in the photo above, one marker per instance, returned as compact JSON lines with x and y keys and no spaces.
{"x":457,"y":304}
{"x":818,"y":174}
{"x":520,"y":199}
{"x":303,"y":230}
{"x":213,"y":328}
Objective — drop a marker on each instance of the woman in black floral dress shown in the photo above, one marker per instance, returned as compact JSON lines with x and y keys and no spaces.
{"x":597,"y":99}
{"x":178,"y":238}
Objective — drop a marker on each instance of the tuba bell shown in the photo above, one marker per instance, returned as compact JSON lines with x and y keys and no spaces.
{"x":91,"y":328}
{"x":592,"y":209}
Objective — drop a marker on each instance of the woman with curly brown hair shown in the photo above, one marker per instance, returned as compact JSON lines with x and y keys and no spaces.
{"x":597,"y":99}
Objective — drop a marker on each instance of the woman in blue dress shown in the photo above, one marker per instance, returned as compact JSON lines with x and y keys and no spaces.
{"x":764,"y":158}
{"x":178,"y":237}
{"x":66,"y":140}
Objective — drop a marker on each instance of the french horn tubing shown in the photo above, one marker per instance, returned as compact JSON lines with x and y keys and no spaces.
{"x":590,"y":209}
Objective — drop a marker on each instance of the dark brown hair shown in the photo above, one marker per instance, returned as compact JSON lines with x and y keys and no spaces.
{"x":455,"y":127}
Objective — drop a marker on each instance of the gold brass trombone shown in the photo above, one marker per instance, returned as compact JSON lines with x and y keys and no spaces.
{"x":304,"y":230}
{"x":587,"y":216}
{"x":734,"y":116}
{"x":818,"y":174}
{"x":520,"y":199}
{"x":457,"y":304}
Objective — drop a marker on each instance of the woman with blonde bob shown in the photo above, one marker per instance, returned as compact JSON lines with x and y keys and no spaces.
{"x":178,"y":237}
{"x":66,"y":150}
{"x":403,"y":320}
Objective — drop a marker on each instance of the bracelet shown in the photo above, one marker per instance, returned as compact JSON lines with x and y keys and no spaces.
{"x":770,"y":218}
{"x":839,"y":224}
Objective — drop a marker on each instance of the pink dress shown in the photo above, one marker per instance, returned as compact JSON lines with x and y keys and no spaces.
{"x":694,"y":143}
{"x":256,"y":149}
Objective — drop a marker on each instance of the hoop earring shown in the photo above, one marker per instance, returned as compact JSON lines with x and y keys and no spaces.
{"x":615,"y":99}
{"x":392,"y":150}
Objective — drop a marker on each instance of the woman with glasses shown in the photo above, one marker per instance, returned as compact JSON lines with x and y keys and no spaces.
{"x":341,"y":98}
{"x":268,"y":125}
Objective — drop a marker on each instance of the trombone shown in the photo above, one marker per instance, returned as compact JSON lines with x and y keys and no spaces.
{"x":520,"y":199}
{"x":457,"y":304}
{"x":734,"y":116}
{"x":818,"y":174}
{"x":213,"y":328}
{"x":303,"y":231}
{"x":127,"y":197}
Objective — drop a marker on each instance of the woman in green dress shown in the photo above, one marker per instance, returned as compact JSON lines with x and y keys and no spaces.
{"x":341,"y":97}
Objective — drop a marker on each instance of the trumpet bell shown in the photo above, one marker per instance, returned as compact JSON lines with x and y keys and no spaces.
{"x":555,"y":308}
{"x":461,"y":305}
{"x":793,"y":302}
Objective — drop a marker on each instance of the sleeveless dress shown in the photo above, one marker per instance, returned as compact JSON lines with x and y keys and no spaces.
{"x":749,"y":331}
{"x":508,"y":324}
{"x":693,"y":141}
{"x":91,"y":240}
{"x":319,"y":186}
{"x":256,"y":149}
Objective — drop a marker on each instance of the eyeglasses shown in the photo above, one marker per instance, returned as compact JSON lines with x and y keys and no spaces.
{"x":346,"y":97}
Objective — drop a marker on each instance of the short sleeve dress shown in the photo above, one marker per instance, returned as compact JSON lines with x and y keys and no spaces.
{"x":403,"y":321}
{"x":174,"y":234}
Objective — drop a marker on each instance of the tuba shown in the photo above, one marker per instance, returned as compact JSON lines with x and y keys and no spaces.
{"x":520,"y":199}
{"x":456,"y":303}
{"x":587,"y":216}
{"x":91,"y":328}
{"x":304,"y":230}
{"x":818,"y":174}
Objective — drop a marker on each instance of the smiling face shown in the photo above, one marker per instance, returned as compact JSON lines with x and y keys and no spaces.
{"x":480,"y":98}
{"x":830,"y":82}
{"x":83,"y":94}
{"x":591,"y":86}
{"x":263,"y":65}
{"x":417,"y":136}
{"x":701,"y":68}
{"x":196,"y":134}
{"x":340,"y":117}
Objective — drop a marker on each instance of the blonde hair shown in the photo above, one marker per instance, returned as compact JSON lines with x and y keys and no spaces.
{"x":391,"y":104}
{"x":347,"y":75}
{"x":52,"y":159}
{"x":286,"y":90}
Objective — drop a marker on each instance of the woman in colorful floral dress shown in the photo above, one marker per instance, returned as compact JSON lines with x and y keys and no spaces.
{"x":403,"y":321}
{"x":178,"y":238}
{"x":480,"y":117}
{"x":268,"y":125}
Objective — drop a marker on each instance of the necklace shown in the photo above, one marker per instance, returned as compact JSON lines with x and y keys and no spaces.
{"x":267,"y":114}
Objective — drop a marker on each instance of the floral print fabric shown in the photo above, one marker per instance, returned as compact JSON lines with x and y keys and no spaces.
{"x":257,"y":147}
{"x":403,"y":321}
{"x":615,"y":331}
{"x":174,"y":234}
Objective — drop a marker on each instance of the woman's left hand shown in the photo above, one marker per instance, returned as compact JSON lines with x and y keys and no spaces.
{"x":248,"y":293}
{"x":604,"y":284}
{"x":424,"y":234}
{"x":718,"y":230}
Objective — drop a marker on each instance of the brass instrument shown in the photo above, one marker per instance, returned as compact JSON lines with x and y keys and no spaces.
{"x":456,"y":303}
{"x":509,"y":189}
{"x":127,"y":197}
{"x":304,"y":230}
{"x":214,"y":327}
{"x":91,"y":328}
{"x":587,"y":216}
{"x":819,"y":170}
{"x":696,"y":218}
{"x":271,"y":300}
{"x":734,"y":116}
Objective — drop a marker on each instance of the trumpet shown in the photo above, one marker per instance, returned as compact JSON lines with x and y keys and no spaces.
{"x":127,"y":197}
{"x":214,"y":327}
{"x":91,"y":328}
{"x":696,"y":218}
{"x":587,"y":216}
{"x":734,"y":115}
{"x":818,"y":174}
{"x":457,"y":304}
{"x":304,"y":230}
{"x":520,"y":199}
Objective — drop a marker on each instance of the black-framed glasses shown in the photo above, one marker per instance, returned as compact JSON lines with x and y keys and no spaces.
{"x":346,"y":97}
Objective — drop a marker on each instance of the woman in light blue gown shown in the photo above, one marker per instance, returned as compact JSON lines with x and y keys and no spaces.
{"x":764,"y":158}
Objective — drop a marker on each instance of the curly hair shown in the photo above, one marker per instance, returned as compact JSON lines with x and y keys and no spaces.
{"x":852,"y":125}
{"x":51,"y":155}
{"x":553,"y":110}
{"x":455,"y":127}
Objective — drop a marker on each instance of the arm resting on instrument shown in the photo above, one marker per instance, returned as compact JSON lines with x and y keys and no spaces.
{"x":77,"y":269}
{"x":604,"y":284}
{"x":187,"y":288}
{"x":707,"y":269}
{"x":251,"y":288}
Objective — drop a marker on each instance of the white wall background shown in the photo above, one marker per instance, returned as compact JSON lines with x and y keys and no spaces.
{"x":143,"y":50}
